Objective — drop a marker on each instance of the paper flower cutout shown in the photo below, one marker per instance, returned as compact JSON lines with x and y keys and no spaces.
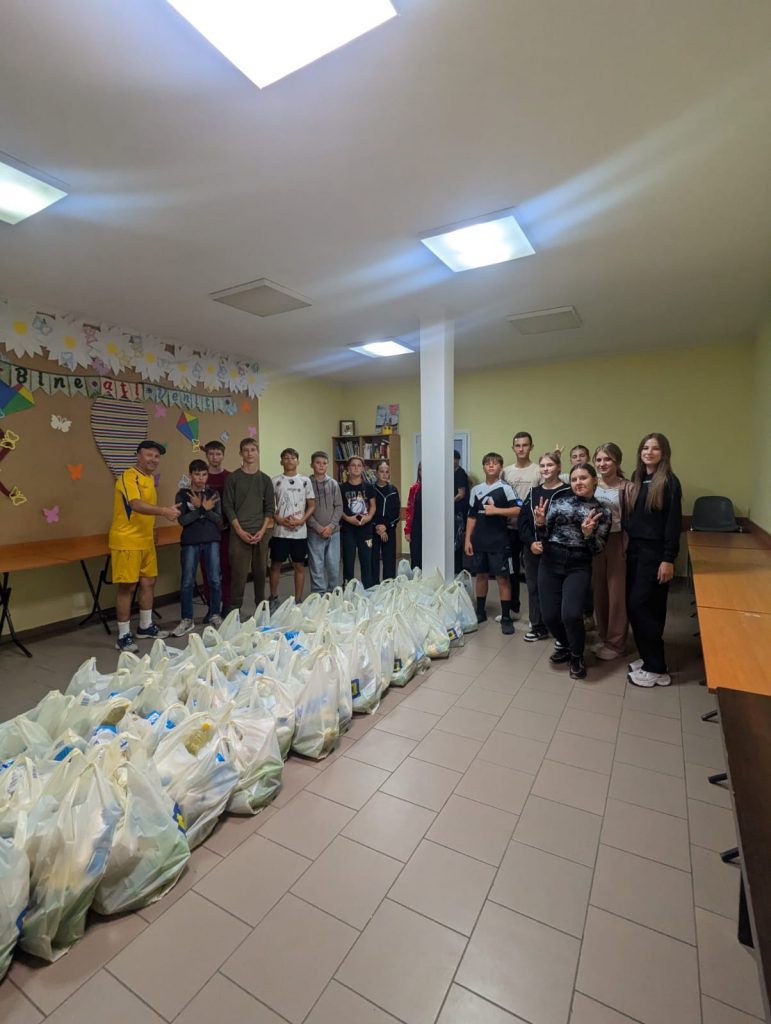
{"x":19,"y":338}
{"x":160,"y":412}
{"x":255,"y":382}
{"x":76,"y":472}
{"x":232,"y":376}
{"x":69,"y":347}
{"x":61,"y":423}
{"x":208,"y":371}
{"x":51,"y":514}
{"x":148,"y":357}
{"x":180,"y":369}
{"x":111,"y":350}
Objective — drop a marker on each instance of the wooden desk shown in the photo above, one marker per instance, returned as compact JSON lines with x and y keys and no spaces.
{"x":732,"y":541}
{"x":43,"y":554}
{"x":736,"y":648}
{"x":745,"y":721}
{"x":738,"y":579}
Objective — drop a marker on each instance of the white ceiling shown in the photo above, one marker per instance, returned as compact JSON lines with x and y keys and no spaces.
{"x":632,"y":137}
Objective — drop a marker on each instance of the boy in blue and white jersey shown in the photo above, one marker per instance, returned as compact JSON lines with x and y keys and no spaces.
{"x":491,"y":505}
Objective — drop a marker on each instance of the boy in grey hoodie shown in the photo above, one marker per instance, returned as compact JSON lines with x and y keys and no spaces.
{"x":324,"y":528}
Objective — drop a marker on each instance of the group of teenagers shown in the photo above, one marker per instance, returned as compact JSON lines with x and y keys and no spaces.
{"x":592,"y":543}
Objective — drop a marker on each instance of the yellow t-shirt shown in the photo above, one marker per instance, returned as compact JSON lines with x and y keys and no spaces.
{"x":130,"y":530}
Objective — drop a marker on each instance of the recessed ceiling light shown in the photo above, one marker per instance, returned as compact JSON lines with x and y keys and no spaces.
{"x":379,"y":349}
{"x":22,"y":195}
{"x":269,"y":39}
{"x":495,"y":238}
{"x":543,"y":321}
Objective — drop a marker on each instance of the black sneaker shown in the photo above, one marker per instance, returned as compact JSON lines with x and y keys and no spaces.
{"x":577,"y":667}
{"x":533,"y":635}
{"x":482,"y":616}
{"x":507,"y":626}
{"x":560,"y":655}
{"x":126,"y":643}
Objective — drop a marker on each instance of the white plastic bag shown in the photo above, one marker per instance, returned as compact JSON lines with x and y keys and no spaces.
{"x":253,"y":740}
{"x":458,"y":596}
{"x":14,"y":897}
{"x":316,"y":718}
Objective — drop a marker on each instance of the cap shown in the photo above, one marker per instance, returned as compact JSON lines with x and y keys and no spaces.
{"x":152,"y":444}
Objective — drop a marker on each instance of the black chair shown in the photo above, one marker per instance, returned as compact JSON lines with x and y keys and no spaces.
{"x":714,"y":514}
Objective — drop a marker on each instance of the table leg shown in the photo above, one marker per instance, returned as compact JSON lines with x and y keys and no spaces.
{"x":5,"y":602}
{"x":96,"y":608}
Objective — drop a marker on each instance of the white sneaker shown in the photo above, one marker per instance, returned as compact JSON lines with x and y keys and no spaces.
{"x":642,"y":678}
{"x":635,"y":665}
{"x":514,"y":616}
{"x":185,"y":626}
{"x":606,"y":653}
{"x":215,"y":621}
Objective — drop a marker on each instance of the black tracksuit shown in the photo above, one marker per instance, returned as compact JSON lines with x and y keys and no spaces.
{"x":387,"y":513}
{"x":526,"y":529}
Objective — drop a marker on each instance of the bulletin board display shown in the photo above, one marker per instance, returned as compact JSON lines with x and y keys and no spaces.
{"x":56,"y":453}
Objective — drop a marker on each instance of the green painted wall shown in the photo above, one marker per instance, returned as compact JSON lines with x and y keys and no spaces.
{"x":760,"y":440}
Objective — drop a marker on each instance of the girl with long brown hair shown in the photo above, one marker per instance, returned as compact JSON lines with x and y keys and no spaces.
{"x":652,"y":521}
{"x":609,"y":567}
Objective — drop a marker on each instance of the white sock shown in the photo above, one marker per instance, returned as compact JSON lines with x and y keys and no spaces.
{"x":145,"y":618}
{"x":124,"y":628}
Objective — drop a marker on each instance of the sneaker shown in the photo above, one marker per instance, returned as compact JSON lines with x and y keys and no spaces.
{"x":126,"y":643}
{"x":482,"y":616}
{"x":272,"y":604}
{"x":605,"y":653}
{"x":642,"y":678}
{"x":151,"y":632}
{"x":634,"y":666}
{"x":216,"y":621}
{"x":560,"y":655}
{"x":185,"y":626}
{"x":577,"y":667}
{"x":534,"y":635}
{"x":507,"y":627}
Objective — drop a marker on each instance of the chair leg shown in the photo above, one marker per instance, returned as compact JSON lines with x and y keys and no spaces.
{"x":709,"y":716}
{"x":718,"y":777}
{"x":728,"y":855}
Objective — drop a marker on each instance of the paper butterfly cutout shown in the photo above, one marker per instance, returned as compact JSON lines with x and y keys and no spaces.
{"x":246,"y":405}
{"x":61,"y":423}
{"x":51,"y":514}
{"x":183,"y":482}
{"x":225,"y":436}
{"x":17,"y":498}
{"x":252,"y":431}
{"x":196,"y":445}
{"x":76,"y":472}
{"x":160,"y":411}
{"x":9,"y":440}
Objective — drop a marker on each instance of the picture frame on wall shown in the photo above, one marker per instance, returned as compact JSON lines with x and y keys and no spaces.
{"x":347,"y":428}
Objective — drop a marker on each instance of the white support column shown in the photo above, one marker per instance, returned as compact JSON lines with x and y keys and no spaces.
{"x":437,"y":369}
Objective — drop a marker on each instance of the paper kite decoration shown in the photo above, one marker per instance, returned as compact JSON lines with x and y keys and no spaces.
{"x":187,"y":425}
{"x":14,"y":399}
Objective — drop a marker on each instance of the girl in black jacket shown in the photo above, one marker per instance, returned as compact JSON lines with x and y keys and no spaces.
{"x":386,"y":520}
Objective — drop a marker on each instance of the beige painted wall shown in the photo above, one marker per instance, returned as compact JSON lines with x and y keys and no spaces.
{"x":760,"y":498}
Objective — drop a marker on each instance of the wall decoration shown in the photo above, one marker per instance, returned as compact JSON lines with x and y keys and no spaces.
{"x":14,"y":398}
{"x":76,"y":472}
{"x":387,"y":419}
{"x":347,"y":428}
{"x":118,"y":427}
{"x":251,"y":431}
{"x":51,"y":514}
{"x":20,"y":339}
{"x":160,"y":412}
{"x":187,"y":425}
{"x":8,"y":441}
{"x":183,"y":483}
{"x":60,"y":423}
{"x":225,"y":436}
{"x":246,"y":405}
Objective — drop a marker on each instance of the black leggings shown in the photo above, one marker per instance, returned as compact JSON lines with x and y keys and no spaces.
{"x":353,"y":539}
{"x":385,"y":552}
{"x":564,"y":577}
{"x":646,"y":602}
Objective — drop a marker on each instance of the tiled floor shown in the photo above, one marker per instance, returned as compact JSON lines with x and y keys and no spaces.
{"x":495,"y":845}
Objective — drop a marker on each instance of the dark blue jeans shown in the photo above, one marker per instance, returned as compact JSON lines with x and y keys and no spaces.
{"x":189,"y":556}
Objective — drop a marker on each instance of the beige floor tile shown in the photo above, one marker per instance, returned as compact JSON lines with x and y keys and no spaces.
{"x":496,"y":786}
{"x":450,"y":682}
{"x":15,"y":1008}
{"x":559,"y":829}
{"x":464,"y":1007}
{"x":651,"y":754}
{"x":89,"y":1002}
{"x":614,"y":683}
{"x":511,"y":751}
{"x":587,"y":1011}
{"x":651,"y":726}
{"x":711,"y":827}
{"x":704,"y":750}
{"x":403,"y":963}
{"x":714,"y":1012}
{"x":473,"y":664}
{"x":553,"y":681}
{"x":348,"y":782}
{"x":444,"y":885}
{"x":652,"y":894}
{"x":191,"y":940}
{"x":447,"y":750}
{"x":435,"y":702}
{"x":648,"y":789}
{"x":655,"y":700}
{"x":253,"y":879}
{"x":613,"y":950}
{"x":473,"y":828}
{"x":463,"y":722}
{"x":348,"y":881}
{"x":585,"y":723}
{"x":361,"y":724}
{"x":422,"y":783}
{"x":699,"y":787}
{"x":574,"y":786}
{"x":715,"y":884}
{"x":345,"y":744}
{"x":339,"y":1005}
{"x":406,"y":722}
{"x":503,"y":678}
{"x":528,"y":724}
{"x":729,"y":971}
{"x":659,"y":837}
{"x":233,"y":829}
{"x":581,"y":751}
{"x":392,"y":826}
{"x":50,"y":984}
{"x":541,"y":701}
{"x":381,"y":749}
{"x":490,"y":702}
{"x":522,"y":965}
{"x":200,"y":864}
{"x":290,"y":985}
{"x":222,"y":1001}
{"x":307,"y":824}
{"x":550,"y":889}
{"x":295,"y":777}
{"x":585,"y":699}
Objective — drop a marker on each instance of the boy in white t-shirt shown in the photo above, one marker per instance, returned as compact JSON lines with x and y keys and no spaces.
{"x":294,"y":506}
{"x":521,"y":476}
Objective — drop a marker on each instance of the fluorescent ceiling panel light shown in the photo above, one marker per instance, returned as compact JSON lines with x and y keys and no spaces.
{"x":262,"y":298}
{"x":496,"y":238}
{"x":21,"y":195}
{"x":269,"y":39}
{"x":380,"y":349}
{"x":544,"y":321}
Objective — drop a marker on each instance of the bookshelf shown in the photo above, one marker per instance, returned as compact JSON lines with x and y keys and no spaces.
{"x":371,"y":448}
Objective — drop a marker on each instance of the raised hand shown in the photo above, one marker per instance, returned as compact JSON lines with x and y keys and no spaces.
{"x":590,"y":522}
{"x":539,"y":512}
{"x":209,"y":503}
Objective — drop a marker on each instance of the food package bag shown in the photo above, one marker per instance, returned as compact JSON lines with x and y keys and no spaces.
{"x":287,"y":616}
{"x":433,"y":635}
{"x":21,"y":783}
{"x":316,"y":717}
{"x":404,"y":568}
{"x":149,"y":849}
{"x":14,"y":897}
{"x":407,"y":651}
{"x":89,"y":679}
{"x":443,"y":606}
{"x":458,"y":596}
{"x":252,"y":733}
{"x":21,"y":735}
{"x":151,"y":728}
{"x":381,"y":633}
{"x":197,"y":769}
{"x":279,"y":697}
{"x":68,"y":842}
{"x":362,"y":660}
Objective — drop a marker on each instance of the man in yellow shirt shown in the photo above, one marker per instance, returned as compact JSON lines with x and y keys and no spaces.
{"x":132,"y":543}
